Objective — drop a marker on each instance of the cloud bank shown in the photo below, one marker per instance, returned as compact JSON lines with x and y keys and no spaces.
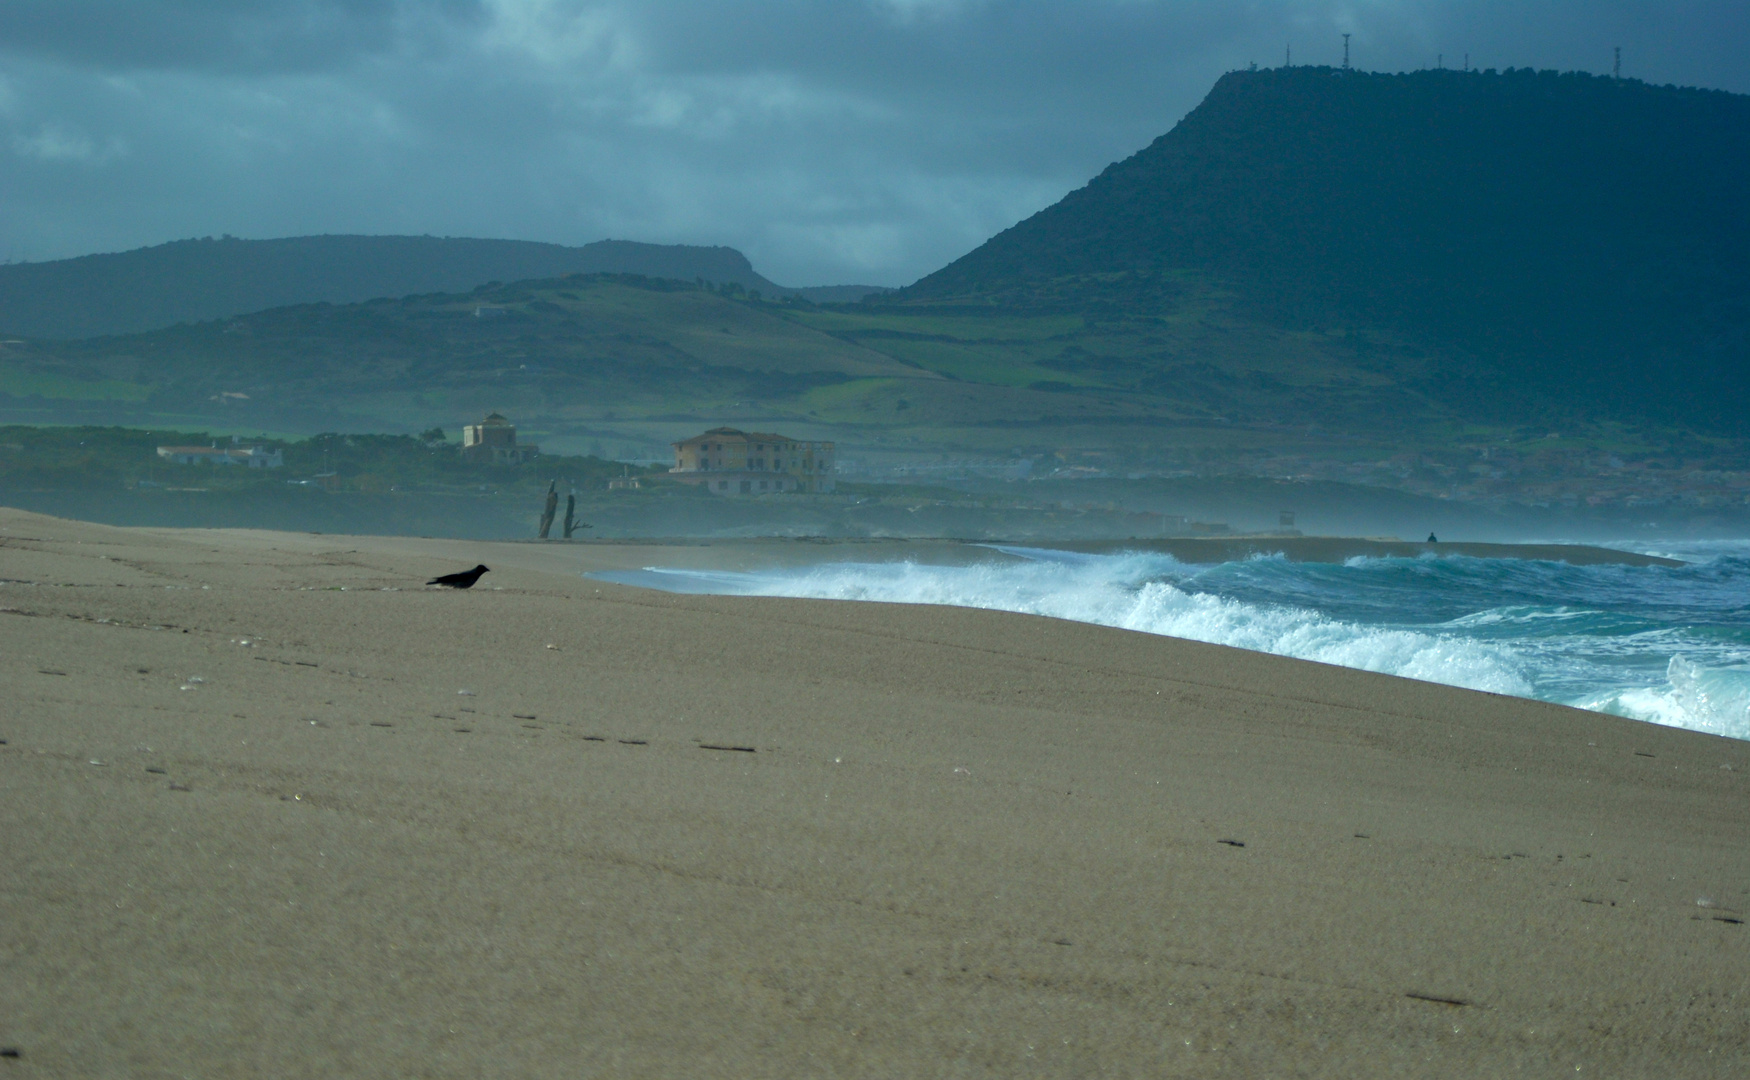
{"x":856,"y":140}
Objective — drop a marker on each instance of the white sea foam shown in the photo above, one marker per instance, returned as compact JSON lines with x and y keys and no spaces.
{"x":1572,"y":654}
{"x":1115,"y":591}
{"x":1696,"y":698}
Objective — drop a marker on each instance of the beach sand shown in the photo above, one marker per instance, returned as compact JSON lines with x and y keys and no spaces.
{"x":270,"y":807}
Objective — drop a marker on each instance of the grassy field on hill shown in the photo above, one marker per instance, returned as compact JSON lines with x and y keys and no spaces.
{"x":657,"y":360}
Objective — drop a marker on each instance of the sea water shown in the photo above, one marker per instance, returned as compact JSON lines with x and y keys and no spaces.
{"x":1669,"y":645}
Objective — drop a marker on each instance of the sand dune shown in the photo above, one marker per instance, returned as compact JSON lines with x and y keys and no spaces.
{"x":271,"y":807}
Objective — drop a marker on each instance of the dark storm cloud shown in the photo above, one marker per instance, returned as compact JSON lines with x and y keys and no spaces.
{"x":214,"y":35}
{"x":851,"y":140}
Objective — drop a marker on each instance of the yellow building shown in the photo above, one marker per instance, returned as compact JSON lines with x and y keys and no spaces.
{"x":494,"y":439}
{"x":732,"y":462}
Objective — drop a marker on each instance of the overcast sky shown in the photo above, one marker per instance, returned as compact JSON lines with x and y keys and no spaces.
{"x":833,"y":141}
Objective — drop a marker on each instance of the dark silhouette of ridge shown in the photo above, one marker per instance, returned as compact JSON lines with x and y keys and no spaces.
{"x":1565,"y":234}
{"x":199,"y":280}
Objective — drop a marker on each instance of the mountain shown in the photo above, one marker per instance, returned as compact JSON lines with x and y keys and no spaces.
{"x":1521,"y":235}
{"x":197,"y":280}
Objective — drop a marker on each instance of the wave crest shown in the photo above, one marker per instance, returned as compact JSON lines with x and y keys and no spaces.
{"x":1600,"y":638}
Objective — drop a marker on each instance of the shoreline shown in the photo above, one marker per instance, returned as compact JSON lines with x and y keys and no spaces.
{"x":1336,"y":549}
{"x":273,"y":806}
{"x":1328,"y":549}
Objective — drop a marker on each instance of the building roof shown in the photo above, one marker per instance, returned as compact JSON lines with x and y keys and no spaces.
{"x":244,"y":450}
{"x":737,"y":433}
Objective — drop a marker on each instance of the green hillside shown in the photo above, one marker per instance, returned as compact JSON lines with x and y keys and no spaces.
{"x":627,"y":350}
{"x":595,"y":345}
{"x":1509,"y":244}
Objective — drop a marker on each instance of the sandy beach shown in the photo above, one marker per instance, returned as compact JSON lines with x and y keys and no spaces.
{"x":271,"y":807}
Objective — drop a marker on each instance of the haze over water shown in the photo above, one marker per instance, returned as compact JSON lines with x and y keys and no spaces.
{"x":1670,"y":645}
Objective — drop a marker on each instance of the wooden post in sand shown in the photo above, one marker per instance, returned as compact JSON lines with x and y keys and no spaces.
{"x":550,"y":509}
{"x":570,"y":514}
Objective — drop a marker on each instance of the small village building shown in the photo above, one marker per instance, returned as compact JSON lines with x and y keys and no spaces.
{"x":493,"y":441}
{"x":733,"y":462}
{"x":255,"y":457}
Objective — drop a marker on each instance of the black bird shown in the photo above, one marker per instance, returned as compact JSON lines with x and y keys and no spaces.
{"x":463,"y":580}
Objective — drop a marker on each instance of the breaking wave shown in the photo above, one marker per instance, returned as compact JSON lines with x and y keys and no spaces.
{"x":1670,"y":645}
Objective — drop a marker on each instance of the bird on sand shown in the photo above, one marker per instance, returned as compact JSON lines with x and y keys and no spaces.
{"x":463,"y":580}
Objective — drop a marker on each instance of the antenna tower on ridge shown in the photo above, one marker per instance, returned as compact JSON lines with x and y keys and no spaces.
{"x":1288,"y":55}
{"x":1346,"y":52}
{"x":1616,"y":68}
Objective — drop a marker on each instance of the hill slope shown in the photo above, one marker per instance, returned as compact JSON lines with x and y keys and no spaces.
{"x":1562,"y":236}
{"x":196,"y":280}
{"x":583,"y":342}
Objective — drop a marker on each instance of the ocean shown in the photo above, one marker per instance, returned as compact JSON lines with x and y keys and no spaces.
{"x":1670,"y":645}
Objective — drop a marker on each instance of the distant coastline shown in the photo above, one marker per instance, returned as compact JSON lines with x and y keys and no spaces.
{"x":740,"y":553}
{"x":1341,"y":548}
